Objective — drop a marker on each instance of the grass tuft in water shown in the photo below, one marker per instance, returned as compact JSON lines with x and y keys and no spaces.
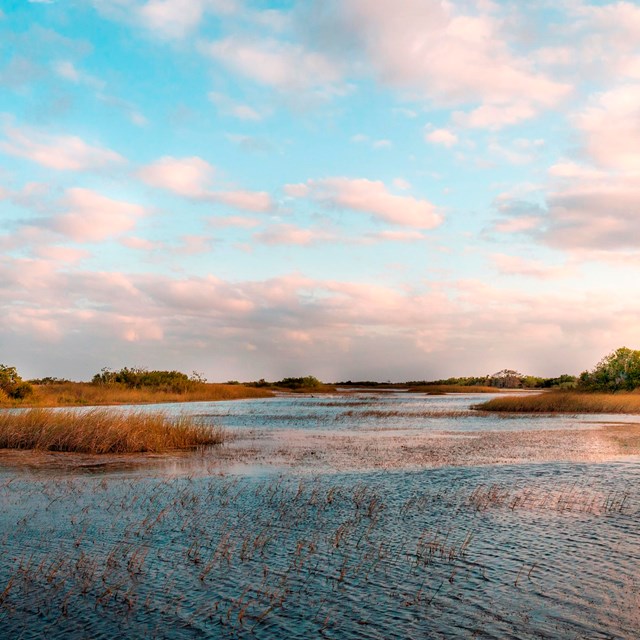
{"x":104,"y":431}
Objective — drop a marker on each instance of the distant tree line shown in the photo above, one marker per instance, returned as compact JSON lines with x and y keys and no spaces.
{"x":139,"y":378}
{"x":297,"y":384}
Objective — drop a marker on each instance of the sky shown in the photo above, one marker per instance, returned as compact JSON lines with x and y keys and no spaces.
{"x":351,"y":189}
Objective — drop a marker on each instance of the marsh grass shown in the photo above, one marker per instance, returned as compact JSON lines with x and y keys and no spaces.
{"x":104,"y":431}
{"x":439,"y":389}
{"x":88,"y":394}
{"x":565,"y":402}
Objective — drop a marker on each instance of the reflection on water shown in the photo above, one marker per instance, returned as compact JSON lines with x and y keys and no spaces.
{"x":185,"y":547}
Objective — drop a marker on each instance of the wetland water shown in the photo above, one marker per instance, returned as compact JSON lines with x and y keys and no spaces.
{"x":350,"y":516}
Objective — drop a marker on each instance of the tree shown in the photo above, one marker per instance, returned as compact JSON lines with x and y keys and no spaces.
{"x":12,"y":384}
{"x":619,"y":371}
{"x":139,"y":377}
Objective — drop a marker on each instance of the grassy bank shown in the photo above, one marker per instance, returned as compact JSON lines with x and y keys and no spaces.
{"x":88,"y":394}
{"x":101,"y":431}
{"x":565,"y":402}
{"x":436,"y":389}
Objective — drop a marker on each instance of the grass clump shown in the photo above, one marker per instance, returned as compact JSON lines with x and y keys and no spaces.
{"x":565,"y":402}
{"x":104,"y":431}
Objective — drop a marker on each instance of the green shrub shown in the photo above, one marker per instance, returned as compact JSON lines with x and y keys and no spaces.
{"x":619,"y":371}
{"x":12,"y":384}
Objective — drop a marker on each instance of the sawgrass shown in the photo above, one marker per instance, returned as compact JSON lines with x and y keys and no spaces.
{"x":88,"y":394}
{"x":565,"y":402}
{"x":101,"y":431}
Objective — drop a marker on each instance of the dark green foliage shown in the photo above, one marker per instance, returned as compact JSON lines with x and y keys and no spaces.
{"x":12,"y":384}
{"x":139,"y":378}
{"x":565,"y":381}
{"x":308,"y":382}
{"x":619,"y":371}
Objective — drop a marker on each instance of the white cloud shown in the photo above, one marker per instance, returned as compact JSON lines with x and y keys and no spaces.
{"x":281,"y":65}
{"x":442,"y":137}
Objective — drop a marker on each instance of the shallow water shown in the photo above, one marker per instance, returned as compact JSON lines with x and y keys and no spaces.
{"x":545,"y":549}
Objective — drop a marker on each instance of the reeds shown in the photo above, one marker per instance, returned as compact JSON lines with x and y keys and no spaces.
{"x":88,"y":394}
{"x":103,"y":431}
{"x":438,"y":389}
{"x":565,"y":402}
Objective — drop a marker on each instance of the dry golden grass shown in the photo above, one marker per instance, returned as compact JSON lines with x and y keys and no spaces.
{"x":100,"y":431}
{"x":87,"y":394}
{"x":565,"y":402}
{"x":451,"y":388}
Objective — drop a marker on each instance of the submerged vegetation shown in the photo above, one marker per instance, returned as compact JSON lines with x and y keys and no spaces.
{"x":102,"y":431}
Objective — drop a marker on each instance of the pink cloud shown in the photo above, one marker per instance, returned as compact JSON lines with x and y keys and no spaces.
{"x":92,"y":217}
{"x":610,"y":125}
{"x":290,"y":234}
{"x":372,"y":197}
{"x":258,"y":201}
{"x":518,"y":266}
{"x":192,"y":177}
{"x":443,"y":137}
{"x":434,"y":50}
{"x":59,"y":253}
{"x":62,"y":153}
{"x":141,"y":244}
{"x":189,"y":177}
{"x":349,"y":329}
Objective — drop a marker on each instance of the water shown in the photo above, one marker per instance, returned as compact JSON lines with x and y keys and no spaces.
{"x":294,"y":547}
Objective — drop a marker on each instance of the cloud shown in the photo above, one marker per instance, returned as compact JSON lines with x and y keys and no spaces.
{"x":189,"y":177}
{"x":289,"y":234}
{"x":192,"y":177}
{"x":62,"y":153}
{"x":258,"y":201}
{"x":610,"y":124}
{"x":73,"y":322}
{"x":443,"y":137}
{"x":281,"y":65}
{"x":518,"y":266}
{"x":92,"y":217}
{"x":165,"y":19}
{"x":434,"y":51}
{"x":584,"y":210}
{"x":67,"y":69}
{"x":594,"y":215}
{"x":372,"y":197}
{"x":230,"y":107}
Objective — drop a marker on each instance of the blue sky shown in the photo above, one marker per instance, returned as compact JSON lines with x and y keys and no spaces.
{"x":354,"y":189}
